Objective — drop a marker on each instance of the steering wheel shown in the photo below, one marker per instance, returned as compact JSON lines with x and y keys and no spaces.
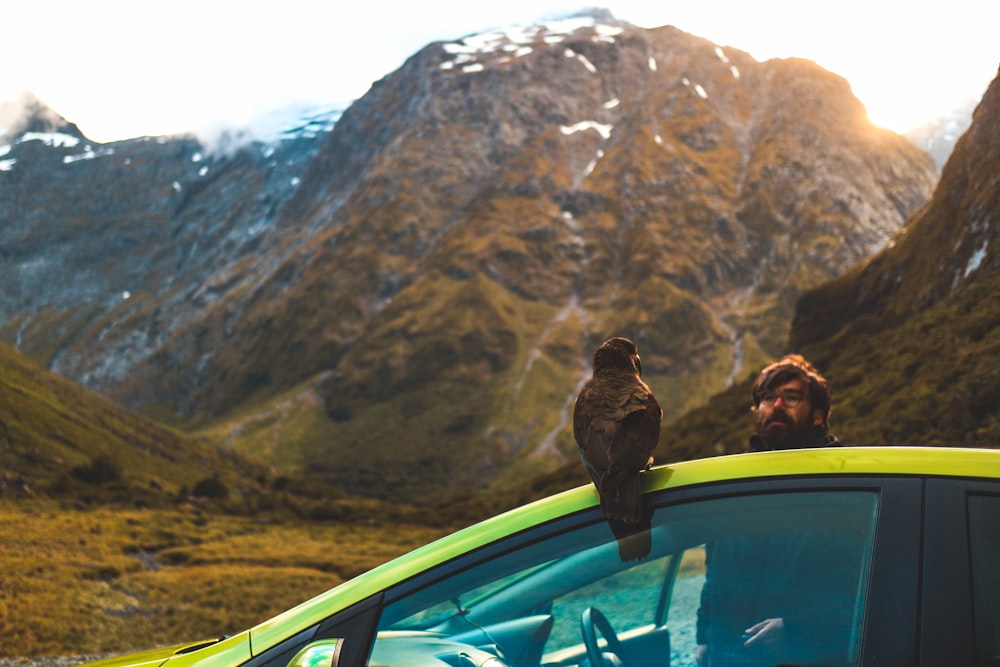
{"x":613,"y":655}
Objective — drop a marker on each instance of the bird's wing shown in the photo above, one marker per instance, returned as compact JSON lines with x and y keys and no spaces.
{"x":581,"y":415}
{"x":633,"y":447}
{"x":593,"y":431}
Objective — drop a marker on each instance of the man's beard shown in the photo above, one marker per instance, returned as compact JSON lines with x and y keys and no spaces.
{"x":790,"y":437}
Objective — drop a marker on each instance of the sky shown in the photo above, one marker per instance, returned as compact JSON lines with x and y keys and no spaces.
{"x":126,"y":68}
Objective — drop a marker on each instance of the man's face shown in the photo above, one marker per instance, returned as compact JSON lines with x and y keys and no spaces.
{"x":785,"y":414}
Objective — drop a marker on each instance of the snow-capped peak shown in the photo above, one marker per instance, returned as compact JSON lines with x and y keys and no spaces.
{"x":515,"y":41}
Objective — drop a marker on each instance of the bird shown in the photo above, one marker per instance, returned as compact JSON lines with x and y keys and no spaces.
{"x":616,"y":424}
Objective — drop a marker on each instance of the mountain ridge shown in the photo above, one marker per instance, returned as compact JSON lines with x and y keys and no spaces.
{"x":414,"y":314}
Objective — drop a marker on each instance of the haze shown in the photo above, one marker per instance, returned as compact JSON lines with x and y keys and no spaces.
{"x":121,"y":69}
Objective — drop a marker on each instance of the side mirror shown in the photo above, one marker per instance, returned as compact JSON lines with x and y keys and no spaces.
{"x":322,"y":653}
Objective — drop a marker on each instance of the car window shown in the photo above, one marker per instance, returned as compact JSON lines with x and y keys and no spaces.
{"x":628,"y":599}
{"x":984,"y":532}
{"x":715,"y":568}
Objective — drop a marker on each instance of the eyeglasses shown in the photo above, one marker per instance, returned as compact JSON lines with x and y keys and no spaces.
{"x":789,"y":397}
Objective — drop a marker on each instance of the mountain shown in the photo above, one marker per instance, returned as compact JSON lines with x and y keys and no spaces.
{"x":938,"y":137}
{"x":57,"y":439}
{"x":405,"y":306}
{"x":109,"y":245}
{"x":910,"y":338}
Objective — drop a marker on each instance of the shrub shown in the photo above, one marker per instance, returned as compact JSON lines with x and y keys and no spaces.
{"x":210,"y":487}
{"x":102,"y":469}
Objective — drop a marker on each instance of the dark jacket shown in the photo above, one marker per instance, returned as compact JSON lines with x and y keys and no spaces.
{"x":818,"y":437}
{"x":793,"y":576}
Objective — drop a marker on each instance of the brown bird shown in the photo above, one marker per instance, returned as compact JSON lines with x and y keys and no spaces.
{"x":616,"y":423}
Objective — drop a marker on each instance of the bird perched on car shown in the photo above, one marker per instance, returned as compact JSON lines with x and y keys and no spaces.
{"x":616,"y":423}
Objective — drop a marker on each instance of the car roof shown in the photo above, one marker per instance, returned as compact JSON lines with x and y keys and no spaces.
{"x":876,"y":460}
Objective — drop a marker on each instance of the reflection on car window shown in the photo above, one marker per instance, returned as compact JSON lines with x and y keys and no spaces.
{"x":984,"y":529}
{"x":446,"y":609}
{"x":786,"y":586}
{"x":629,"y":599}
{"x":685,"y":600}
{"x":717,"y":567}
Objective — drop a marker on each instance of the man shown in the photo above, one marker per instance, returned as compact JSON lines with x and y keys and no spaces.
{"x":752,"y":580}
{"x":792,"y":404}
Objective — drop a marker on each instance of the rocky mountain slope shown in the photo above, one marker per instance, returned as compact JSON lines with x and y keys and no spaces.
{"x":406,"y":306}
{"x":910,"y":338}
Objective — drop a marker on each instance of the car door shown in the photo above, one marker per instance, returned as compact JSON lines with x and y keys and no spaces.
{"x":842,"y":566}
{"x":960,"y":603}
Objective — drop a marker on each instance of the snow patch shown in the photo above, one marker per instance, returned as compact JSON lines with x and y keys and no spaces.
{"x":603,"y":129}
{"x":54,"y":139}
{"x":570,"y":53}
{"x":89,"y":154}
{"x":593,"y":164}
{"x":607,"y":33}
{"x":976,"y":259}
{"x":573,"y":226}
{"x":519,"y":40}
{"x":721,"y":55}
{"x":586,"y":63}
{"x":698,"y":90}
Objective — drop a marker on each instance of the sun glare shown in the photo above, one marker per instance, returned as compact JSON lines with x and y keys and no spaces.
{"x":900,"y":113}
{"x":912,"y":102}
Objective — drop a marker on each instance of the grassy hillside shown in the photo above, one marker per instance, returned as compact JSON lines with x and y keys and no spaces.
{"x":121,"y":534}
{"x":113,"y":580}
{"x":59,"y":439}
{"x":932,"y":379}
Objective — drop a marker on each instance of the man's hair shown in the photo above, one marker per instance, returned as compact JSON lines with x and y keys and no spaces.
{"x":793,"y":366}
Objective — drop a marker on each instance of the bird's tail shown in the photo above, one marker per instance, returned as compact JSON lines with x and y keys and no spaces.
{"x":621,"y":496}
{"x":621,"y":505}
{"x":635,"y":540}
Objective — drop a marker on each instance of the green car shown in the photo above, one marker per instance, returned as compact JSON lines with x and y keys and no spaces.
{"x":845,"y":556}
